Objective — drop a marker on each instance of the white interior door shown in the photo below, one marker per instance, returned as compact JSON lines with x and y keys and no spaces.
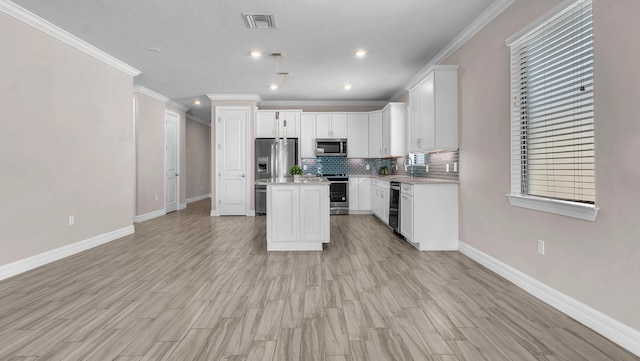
{"x":232,"y":160}
{"x":172,"y":128}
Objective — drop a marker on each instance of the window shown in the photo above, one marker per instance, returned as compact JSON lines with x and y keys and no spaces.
{"x":552,"y":122}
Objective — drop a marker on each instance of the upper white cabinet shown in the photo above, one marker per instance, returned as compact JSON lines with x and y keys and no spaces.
{"x":394,"y":130}
{"x":307,"y":136}
{"x":434,"y":111}
{"x":266,"y":125}
{"x":388,"y":131}
{"x":375,"y":134}
{"x":331,"y":125}
{"x":357,"y":135}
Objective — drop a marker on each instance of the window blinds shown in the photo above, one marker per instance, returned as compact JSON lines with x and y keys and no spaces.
{"x":552,"y":108}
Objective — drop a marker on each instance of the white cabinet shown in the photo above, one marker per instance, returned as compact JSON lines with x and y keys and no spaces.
{"x":429,"y":216}
{"x":384,"y":195}
{"x":297,"y":217}
{"x":330,"y":125}
{"x":307,"y":136}
{"x":375,"y":134}
{"x":364,"y":194}
{"x":434,"y":111}
{"x":380,"y":191}
{"x":360,"y":195}
{"x":406,"y":212}
{"x":357,"y":135}
{"x":314,"y":214}
{"x":283,"y":226}
{"x":266,"y":125}
{"x":388,"y":131}
{"x":394,"y":130}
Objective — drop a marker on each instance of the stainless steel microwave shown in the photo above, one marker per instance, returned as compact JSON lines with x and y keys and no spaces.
{"x":326,"y":147}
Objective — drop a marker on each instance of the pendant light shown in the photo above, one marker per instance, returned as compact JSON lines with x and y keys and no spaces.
{"x":284,"y":120}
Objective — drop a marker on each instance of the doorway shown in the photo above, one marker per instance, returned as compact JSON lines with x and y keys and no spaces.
{"x":232,"y":191}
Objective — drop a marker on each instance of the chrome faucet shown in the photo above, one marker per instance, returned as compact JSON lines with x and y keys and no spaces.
{"x":408,"y":161}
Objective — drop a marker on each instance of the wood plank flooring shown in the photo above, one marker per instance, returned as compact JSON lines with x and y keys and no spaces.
{"x":187,"y":286}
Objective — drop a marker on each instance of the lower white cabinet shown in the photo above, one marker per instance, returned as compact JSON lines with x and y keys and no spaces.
{"x":360,"y":195}
{"x":380,"y":191}
{"x":429,"y":216}
{"x":297,"y":217}
{"x":406,"y":216}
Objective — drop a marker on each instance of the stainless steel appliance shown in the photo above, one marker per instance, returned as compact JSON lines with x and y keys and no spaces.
{"x":394,"y":207}
{"x":338,"y":193}
{"x":331,"y":147}
{"x":273,"y":159}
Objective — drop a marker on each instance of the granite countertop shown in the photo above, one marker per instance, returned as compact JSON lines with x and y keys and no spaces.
{"x":405,"y":179}
{"x":305,"y":180}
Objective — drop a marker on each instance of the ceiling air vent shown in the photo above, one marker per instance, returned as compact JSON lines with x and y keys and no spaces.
{"x":260,"y":21}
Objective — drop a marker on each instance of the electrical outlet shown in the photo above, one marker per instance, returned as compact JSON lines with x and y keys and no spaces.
{"x":367,"y":167}
{"x":304,"y":167}
{"x":426,"y":168}
{"x":156,"y":197}
{"x":72,"y":220}
{"x":455,"y":167}
{"x":447,"y":167}
{"x":541,"y":247}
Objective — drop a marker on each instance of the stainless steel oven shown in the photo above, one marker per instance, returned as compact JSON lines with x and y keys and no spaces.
{"x":338,"y":193}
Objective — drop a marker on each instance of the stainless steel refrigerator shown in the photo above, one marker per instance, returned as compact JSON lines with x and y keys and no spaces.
{"x":272,"y":160}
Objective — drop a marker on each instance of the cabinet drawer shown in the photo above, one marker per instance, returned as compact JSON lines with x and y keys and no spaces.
{"x":406,"y":188}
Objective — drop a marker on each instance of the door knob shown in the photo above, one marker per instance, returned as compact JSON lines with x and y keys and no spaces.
{"x":242,"y":175}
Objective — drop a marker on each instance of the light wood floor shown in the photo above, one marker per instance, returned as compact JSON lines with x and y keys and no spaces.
{"x":188,"y":286}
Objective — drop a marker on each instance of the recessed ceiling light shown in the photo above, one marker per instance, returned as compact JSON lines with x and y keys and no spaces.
{"x":154,"y":50}
{"x":347,"y":87}
{"x":255,"y":53}
{"x":196,"y":102}
{"x":273,"y":86}
{"x":360,"y":53}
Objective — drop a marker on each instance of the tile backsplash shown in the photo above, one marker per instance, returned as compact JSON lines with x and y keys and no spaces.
{"x":356,"y":166}
{"x":437,"y":163}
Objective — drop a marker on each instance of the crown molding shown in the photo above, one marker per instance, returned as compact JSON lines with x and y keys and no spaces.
{"x":497,"y":7}
{"x":196,"y":119}
{"x":251,"y":97}
{"x":157,"y":96}
{"x":324,"y":103}
{"x":43,"y":25}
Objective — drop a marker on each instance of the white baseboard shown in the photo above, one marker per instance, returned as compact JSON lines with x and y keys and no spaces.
{"x":26,"y":264}
{"x":150,"y":215}
{"x":198,"y":198}
{"x":215,"y":213}
{"x":608,"y":327}
{"x":252,"y":213}
{"x":182,"y":206}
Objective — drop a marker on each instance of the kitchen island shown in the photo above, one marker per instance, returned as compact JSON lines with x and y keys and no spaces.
{"x":297,"y":214}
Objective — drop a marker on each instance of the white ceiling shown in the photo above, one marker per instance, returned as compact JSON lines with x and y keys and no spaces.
{"x":204,"y":45}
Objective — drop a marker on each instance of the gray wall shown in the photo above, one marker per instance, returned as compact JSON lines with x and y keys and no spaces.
{"x":596,"y":263}
{"x":67,"y":140}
